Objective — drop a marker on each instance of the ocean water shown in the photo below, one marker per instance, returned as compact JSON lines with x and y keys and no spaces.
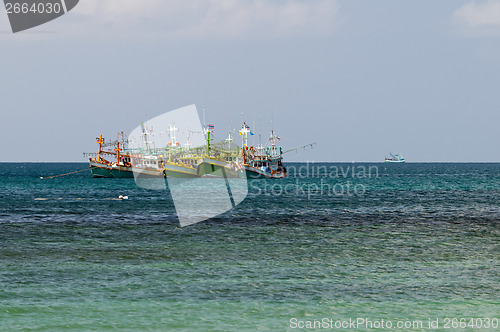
{"x":399,"y":243}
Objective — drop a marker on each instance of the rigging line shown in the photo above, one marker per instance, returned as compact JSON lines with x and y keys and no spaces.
{"x":56,"y":176}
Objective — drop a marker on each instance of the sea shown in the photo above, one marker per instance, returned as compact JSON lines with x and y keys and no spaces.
{"x":334,"y":246}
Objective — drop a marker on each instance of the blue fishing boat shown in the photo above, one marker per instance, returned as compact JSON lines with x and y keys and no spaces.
{"x":262,"y":161}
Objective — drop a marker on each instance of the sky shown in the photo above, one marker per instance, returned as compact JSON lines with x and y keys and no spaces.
{"x":359,"y":78}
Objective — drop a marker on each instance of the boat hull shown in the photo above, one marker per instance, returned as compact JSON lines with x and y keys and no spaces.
{"x":209,"y":167}
{"x":175,"y":171}
{"x":100,"y":171}
{"x":257,"y":173}
{"x":106,"y":171}
{"x":122,"y":172}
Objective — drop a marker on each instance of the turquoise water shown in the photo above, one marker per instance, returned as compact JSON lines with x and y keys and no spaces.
{"x":417,"y":242}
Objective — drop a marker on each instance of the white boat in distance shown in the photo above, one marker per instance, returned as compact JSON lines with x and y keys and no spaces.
{"x":395,"y":158}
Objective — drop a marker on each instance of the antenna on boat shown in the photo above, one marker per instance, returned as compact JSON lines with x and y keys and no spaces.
{"x":145,"y":135}
{"x":204,"y":122}
{"x":229,"y":139}
{"x":253,"y":126}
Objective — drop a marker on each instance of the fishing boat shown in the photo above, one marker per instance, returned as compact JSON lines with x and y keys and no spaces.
{"x":179,"y":161}
{"x":120,"y":167}
{"x":395,"y":158}
{"x":262,"y":161}
{"x":181,"y":168}
{"x":125,"y":161}
{"x":221,"y":159}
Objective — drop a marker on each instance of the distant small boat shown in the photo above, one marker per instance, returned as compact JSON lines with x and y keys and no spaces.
{"x":395,"y":158}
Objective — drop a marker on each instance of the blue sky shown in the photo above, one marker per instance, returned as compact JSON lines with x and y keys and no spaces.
{"x":360,"y":78}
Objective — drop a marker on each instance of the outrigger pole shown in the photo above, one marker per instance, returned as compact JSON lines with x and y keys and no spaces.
{"x":303,"y":147}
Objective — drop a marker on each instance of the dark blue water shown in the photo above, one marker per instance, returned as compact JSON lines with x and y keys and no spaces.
{"x":411,"y":242}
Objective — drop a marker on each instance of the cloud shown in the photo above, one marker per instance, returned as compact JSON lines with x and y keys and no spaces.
{"x":187,"y":19}
{"x":482,"y":17}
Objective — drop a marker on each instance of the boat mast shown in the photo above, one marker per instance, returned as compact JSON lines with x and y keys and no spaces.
{"x":145,"y":134}
{"x":243,"y":132}
{"x":204,"y":123}
{"x":229,"y":139}
{"x":117,"y":149}
{"x":172,"y":139}
{"x":208,"y":141}
{"x":100,"y":141}
{"x":188,"y":138}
